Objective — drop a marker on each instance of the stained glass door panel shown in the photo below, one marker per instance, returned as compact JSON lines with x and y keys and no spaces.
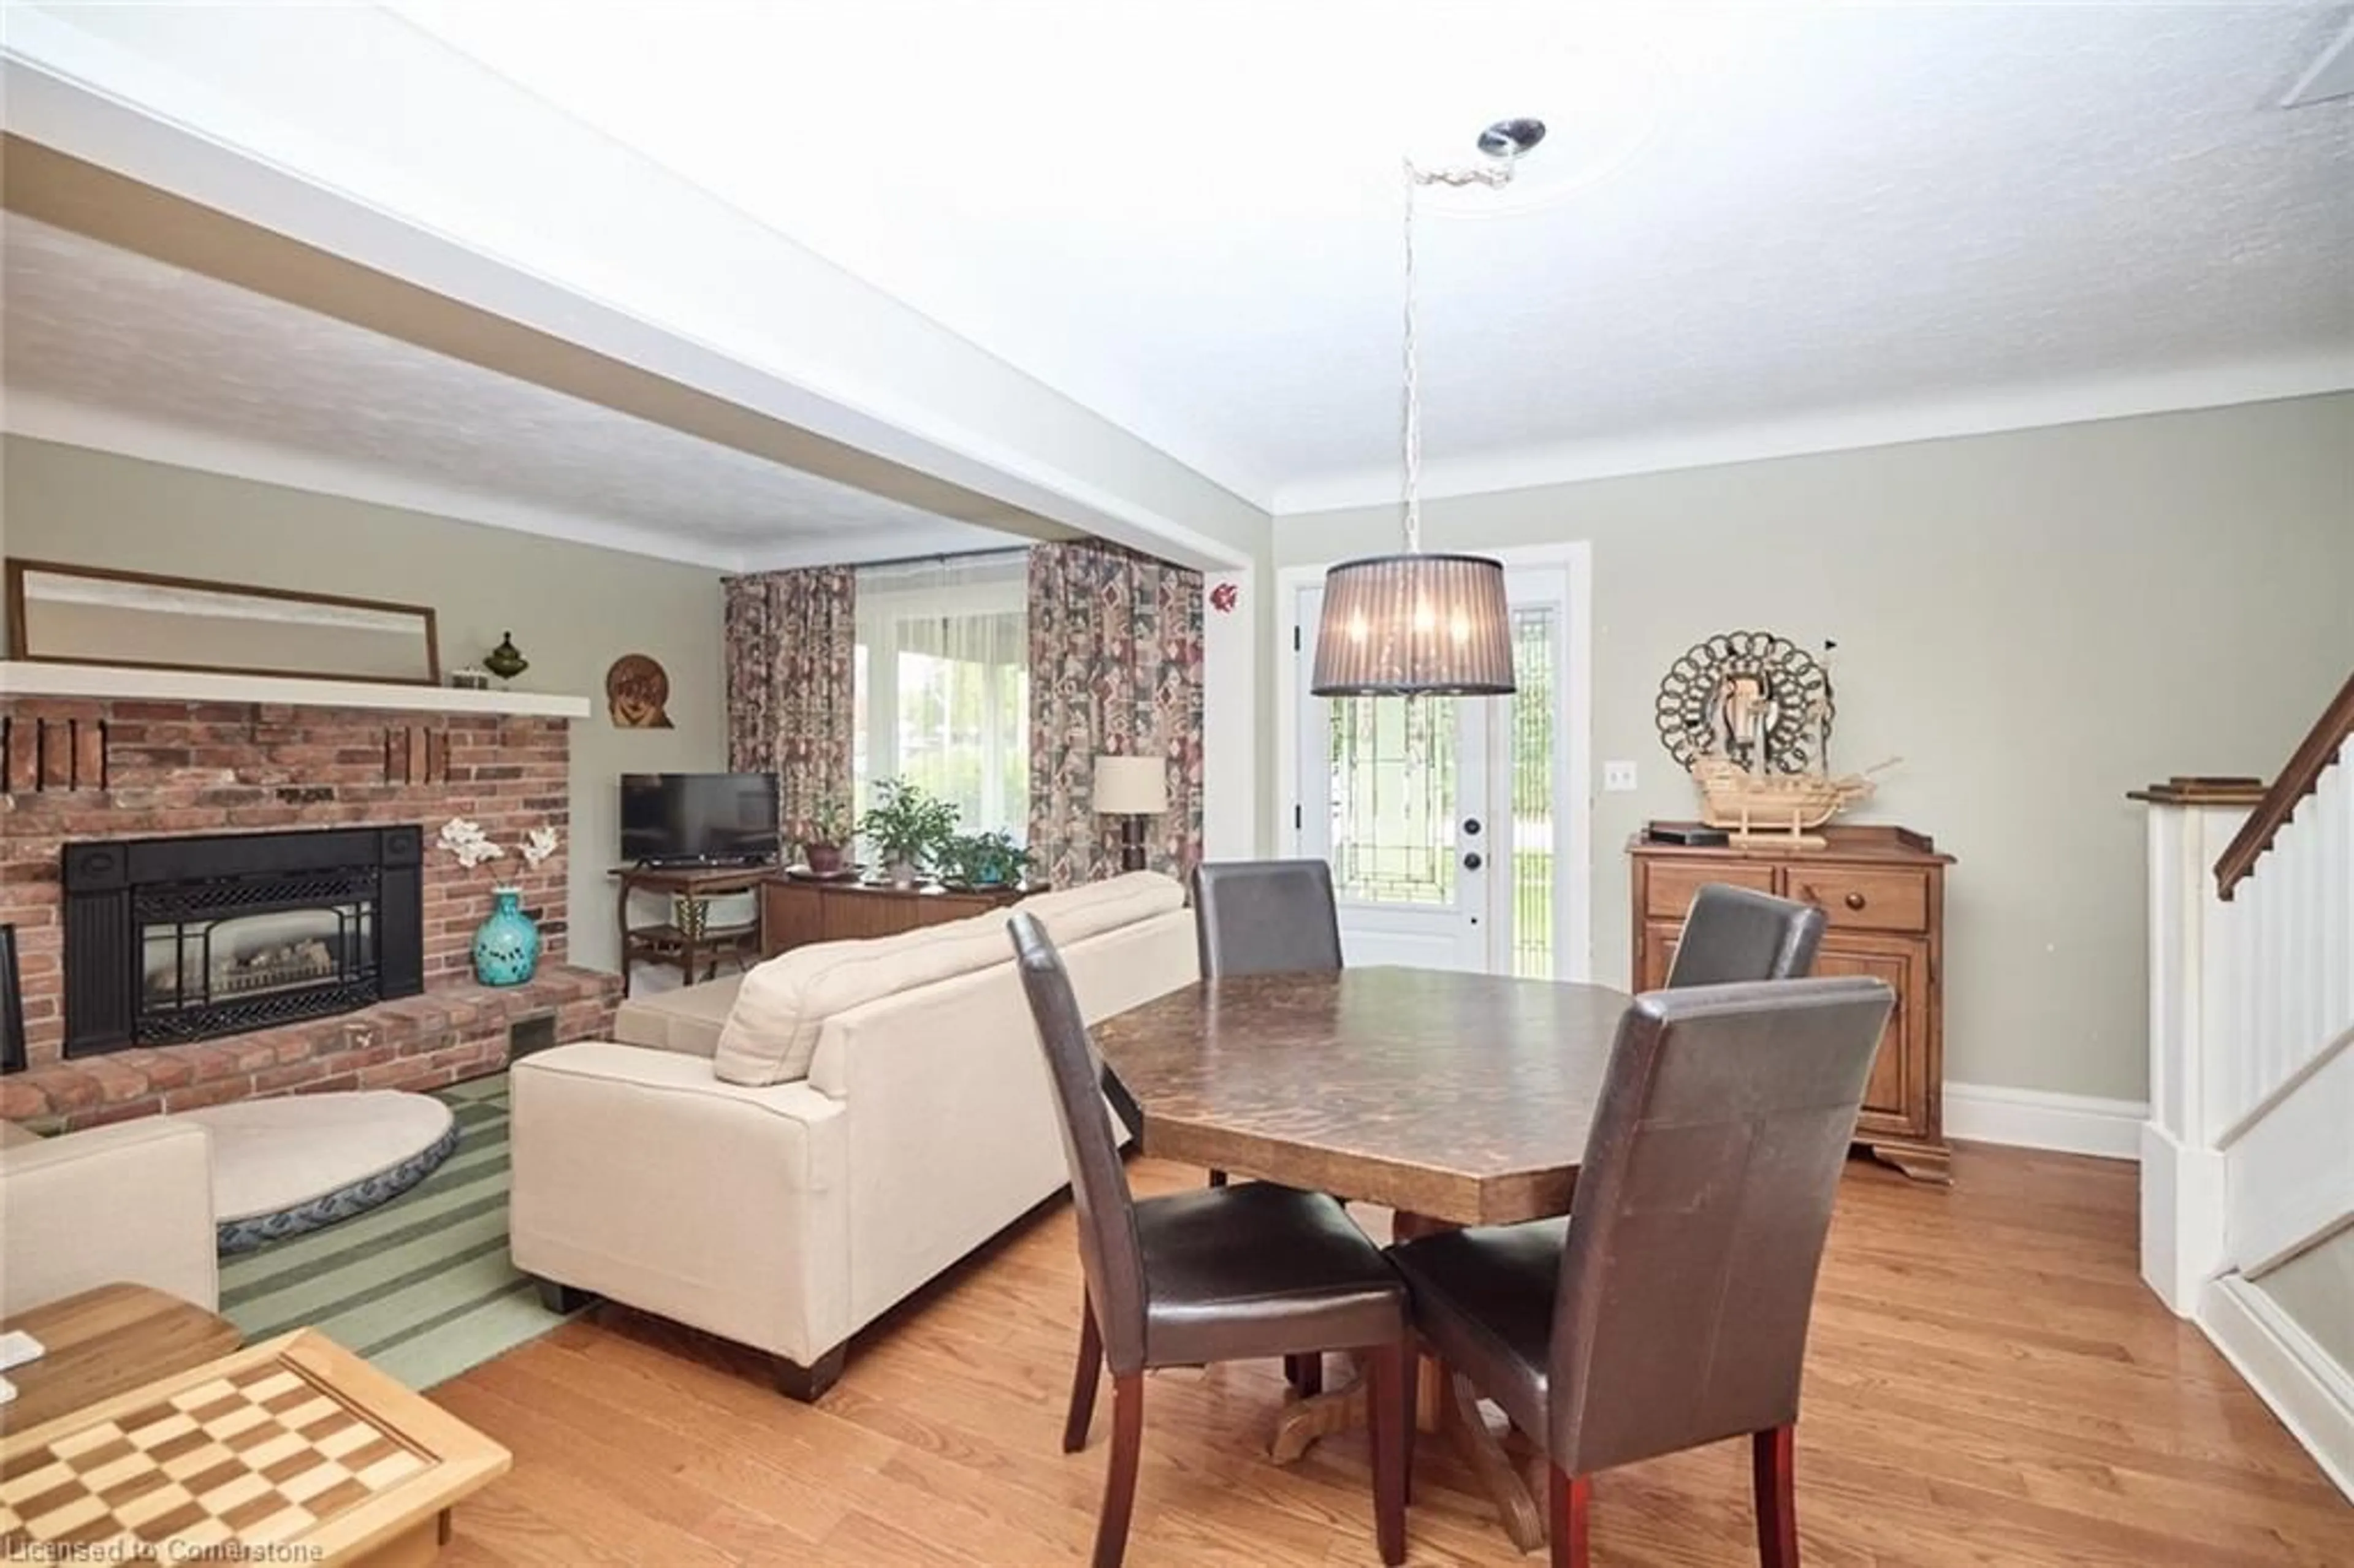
{"x":1393,"y":817}
{"x":1531,"y":836}
{"x":1391,"y":793}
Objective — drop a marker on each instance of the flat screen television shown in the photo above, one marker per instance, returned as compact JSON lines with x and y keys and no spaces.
{"x":698,"y":818}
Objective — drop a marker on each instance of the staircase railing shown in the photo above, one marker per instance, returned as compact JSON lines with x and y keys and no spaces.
{"x":2292,"y":929}
{"x":2299,"y":778}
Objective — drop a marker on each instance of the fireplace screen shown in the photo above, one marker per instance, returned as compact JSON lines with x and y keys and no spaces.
{"x":262,"y":964}
{"x":175,"y":940}
{"x":248,"y":952}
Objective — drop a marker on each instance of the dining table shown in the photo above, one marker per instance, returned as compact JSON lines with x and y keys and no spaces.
{"x":1450,"y":1098}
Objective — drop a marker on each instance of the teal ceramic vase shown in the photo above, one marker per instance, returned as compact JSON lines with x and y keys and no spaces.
{"x":507,"y":946}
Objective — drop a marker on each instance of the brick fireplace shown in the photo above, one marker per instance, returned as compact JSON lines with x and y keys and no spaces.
{"x":331,"y":810}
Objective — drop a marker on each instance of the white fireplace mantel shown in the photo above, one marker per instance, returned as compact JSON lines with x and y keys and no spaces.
{"x":108,"y":683}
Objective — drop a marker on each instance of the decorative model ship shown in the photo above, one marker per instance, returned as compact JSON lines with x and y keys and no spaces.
{"x":1749,"y":716}
{"x":1777,"y":806}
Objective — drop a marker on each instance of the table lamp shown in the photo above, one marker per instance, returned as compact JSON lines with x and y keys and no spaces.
{"x":1132,"y":789}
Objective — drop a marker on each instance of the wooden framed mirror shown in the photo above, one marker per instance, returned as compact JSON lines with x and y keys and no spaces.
{"x":91,"y":615}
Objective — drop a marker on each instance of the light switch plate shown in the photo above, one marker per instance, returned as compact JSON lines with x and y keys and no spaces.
{"x":1618,"y":776}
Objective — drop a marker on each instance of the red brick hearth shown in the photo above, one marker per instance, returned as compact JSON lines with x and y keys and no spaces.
{"x":79,"y":769}
{"x":456,"y":1030}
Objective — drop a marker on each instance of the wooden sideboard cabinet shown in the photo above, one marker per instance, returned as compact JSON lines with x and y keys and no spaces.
{"x":794,"y":912}
{"x":1884,"y":891}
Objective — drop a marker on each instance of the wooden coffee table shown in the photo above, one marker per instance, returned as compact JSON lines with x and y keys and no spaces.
{"x":295,"y":1449}
{"x":107,"y":1341}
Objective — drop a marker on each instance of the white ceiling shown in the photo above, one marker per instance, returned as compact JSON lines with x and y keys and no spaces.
{"x":105,"y":347}
{"x":1185,"y":215}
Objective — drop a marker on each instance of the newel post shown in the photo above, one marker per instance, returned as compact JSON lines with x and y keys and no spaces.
{"x":2195,"y":992}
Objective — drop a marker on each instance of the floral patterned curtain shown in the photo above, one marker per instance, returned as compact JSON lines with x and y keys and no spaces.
{"x":792,"y":647}
{"x":1115,"y":668}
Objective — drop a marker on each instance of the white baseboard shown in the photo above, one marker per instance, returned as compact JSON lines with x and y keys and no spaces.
{"x":2031,"y":1119}
{"x":2312,"y":1395}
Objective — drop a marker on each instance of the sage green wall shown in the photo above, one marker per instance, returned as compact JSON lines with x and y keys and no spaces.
{"x":573,"y":609}
{"x":2036,"y":621}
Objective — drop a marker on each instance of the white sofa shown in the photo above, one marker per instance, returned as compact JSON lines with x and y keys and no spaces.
{"x":780,"y":1157}
{"x":131,"y":1204}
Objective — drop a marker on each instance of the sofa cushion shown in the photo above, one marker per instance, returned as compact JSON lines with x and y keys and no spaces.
{"x":771,"y":1032}
{"x":1074,"y":914}
{"x":687,"y":1020}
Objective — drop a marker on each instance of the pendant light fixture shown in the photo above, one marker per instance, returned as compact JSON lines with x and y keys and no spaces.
{"x":1422,"y":624}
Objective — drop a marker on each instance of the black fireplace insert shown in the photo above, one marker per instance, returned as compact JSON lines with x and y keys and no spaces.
{"x":175,"y":940}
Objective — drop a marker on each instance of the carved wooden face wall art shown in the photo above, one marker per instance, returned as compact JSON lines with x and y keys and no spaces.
{"x":636,"y":687}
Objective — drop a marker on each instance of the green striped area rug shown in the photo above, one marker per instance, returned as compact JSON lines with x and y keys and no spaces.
{"x":421,"y":1287}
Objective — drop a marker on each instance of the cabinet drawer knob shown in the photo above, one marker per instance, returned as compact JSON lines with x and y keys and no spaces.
{"x":1855,"y":900}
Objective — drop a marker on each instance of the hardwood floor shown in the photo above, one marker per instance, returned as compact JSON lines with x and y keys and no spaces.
{"x":1990,"y":1383}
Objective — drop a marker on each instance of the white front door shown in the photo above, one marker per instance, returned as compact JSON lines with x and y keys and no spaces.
{"x":1452,"y":823}
{"x":1394,"y":793}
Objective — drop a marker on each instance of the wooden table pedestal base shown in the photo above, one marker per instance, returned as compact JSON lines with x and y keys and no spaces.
{"x":1445,"y":1401}
{"x":1334,"y":1411}
{"x":1499,"y":1458}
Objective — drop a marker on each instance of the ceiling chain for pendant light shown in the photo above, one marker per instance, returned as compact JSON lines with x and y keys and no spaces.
{"x":1414,"y":623}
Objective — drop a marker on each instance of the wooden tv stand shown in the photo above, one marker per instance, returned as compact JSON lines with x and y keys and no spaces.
{"x":666,"y":942}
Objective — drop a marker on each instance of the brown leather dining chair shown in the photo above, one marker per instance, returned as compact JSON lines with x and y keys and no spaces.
{"x":1670,"y":1307}
{"x":1259,"y":917}
{"x":1216,"y":1275}
{"x":1264,"y":918}
{"x":1740,"y":934}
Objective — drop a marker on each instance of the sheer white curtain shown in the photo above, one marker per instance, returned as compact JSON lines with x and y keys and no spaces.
{"x":943,"y":685}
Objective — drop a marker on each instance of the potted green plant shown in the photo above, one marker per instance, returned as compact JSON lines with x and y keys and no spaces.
{"x":907,"y":828}
{"x":984,"y":860}
{"x":824,"y":836}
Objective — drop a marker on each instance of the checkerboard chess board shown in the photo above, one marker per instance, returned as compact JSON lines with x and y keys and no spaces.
{"x":257,"y":1454}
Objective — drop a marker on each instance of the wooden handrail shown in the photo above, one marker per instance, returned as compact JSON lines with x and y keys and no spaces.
{"x":2298,"y":779}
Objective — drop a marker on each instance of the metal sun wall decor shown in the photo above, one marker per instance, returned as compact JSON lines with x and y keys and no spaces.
{"x":1750,"y":697}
